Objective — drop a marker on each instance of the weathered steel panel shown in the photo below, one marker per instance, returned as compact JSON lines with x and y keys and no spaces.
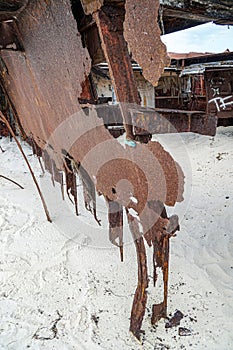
{"x":142,"y":33}
{"x":44,"y":83}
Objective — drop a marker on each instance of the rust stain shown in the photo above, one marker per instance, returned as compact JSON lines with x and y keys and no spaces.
{"x":142,"y":34}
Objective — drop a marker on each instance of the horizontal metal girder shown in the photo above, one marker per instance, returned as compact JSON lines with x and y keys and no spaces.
{"x":160,"y":121}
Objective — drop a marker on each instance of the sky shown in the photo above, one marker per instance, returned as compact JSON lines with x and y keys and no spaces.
{"x":207,"y":37}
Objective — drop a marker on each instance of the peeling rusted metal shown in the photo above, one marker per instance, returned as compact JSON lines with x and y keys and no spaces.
{"x":47,"y":71}
{"x":89,"y":192}
{"x":115,"y":218}
{"x":158,"y":236}
{"x":71,"y":185}
{"x":142,"y":34}
{"x":149,"y":171}
{"x":140,"y":296}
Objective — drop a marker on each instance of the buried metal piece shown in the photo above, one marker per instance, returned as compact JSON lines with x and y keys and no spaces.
{"x":174,"y":320}
{"x":184,"y":331}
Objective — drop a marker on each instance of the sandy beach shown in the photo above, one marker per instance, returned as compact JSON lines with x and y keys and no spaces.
{"x":62,"y":285}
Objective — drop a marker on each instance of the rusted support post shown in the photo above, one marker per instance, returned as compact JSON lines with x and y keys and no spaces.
{"x":71,"y":183}
{"x":161,"y":260}
{"x":140,"y":297}
{"x":4,"y":120}
{"x":109,"y":20}
{"x":89,"y":192}
{"x":14,"y":182}
{"x":160,"y":233}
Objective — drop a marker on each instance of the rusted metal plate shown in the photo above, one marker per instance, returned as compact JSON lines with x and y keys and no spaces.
{"x":148,"y":171}
{"x":142,"y":34}
{"x":44,"y":82}
{"x":115,"y":218}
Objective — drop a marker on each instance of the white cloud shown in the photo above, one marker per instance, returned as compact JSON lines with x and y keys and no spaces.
{"x":204,"y":38}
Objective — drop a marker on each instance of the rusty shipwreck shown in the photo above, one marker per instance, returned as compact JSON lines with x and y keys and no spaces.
{"x":49,"y":51}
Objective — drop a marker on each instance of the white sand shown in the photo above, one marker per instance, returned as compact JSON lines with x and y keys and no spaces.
{"x":68,"y":268}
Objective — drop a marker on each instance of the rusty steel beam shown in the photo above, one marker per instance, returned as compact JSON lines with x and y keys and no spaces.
{"x":201,"y":10}
{"x":179,"y":15}
{"x":163,"y":121}
{"x":160,"y":121}
{"x":140,"y":296}
{"x":110,"y":21}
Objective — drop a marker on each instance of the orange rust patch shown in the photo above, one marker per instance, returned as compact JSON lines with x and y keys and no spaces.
{"x":142,"y":33}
